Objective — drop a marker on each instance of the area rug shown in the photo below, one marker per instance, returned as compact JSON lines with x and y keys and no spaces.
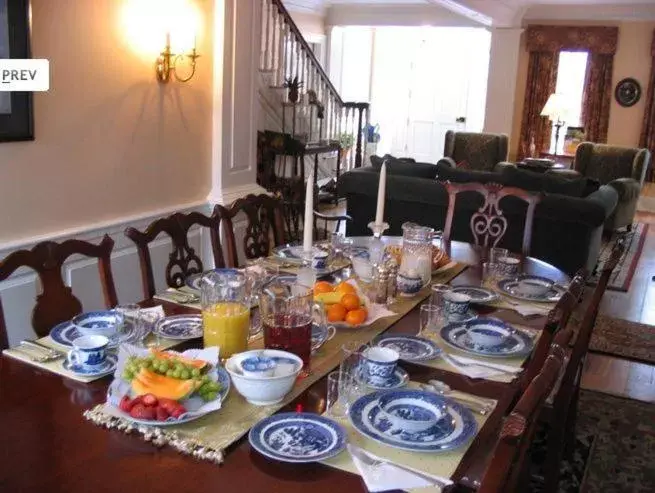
{"x":625,"y":270}
{"x":623,"y":338}
{"x":614,"y":450}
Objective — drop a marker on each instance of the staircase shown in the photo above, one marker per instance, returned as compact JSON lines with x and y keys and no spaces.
{"x":318,"y":118}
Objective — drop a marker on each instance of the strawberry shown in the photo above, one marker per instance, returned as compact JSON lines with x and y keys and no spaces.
{"x":179,"y":411}
{"x":137,"y":400}
{"x":139,"y":411}
{"x":126,"y":404}
{"x":149,"y":400}
{"x":169,"y":405}
{"x":162,"y":415}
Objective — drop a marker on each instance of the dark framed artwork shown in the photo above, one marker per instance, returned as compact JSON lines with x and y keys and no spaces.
{"x":16,"y":119}
{"x":627,"y":92}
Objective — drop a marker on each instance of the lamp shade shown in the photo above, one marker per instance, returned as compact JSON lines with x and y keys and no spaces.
{"x":557,"y":107}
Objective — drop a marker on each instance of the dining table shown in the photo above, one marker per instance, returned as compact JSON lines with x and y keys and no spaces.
{"x":48,"y":446}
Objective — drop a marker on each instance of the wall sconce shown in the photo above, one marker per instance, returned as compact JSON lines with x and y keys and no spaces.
{"x":167,"y":62}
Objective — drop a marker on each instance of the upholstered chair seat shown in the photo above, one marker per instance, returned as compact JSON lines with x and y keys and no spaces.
{"x":477,"y":151}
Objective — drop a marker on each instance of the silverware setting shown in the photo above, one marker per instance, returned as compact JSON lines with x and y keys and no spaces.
{"x":482,"y":364}
{"x":182,"y":298}
{"x":477,"y":405}
{"x":37,"y":355}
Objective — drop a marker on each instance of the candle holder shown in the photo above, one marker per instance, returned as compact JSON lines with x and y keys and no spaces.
{"x":376,"y":246}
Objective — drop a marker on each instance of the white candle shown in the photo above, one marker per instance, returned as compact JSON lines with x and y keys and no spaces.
{"x":379,"y":211}
{"x":309,"y":214}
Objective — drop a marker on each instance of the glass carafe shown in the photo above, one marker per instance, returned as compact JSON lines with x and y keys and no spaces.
{"x":287,"y":311}
{"x":416,"y":260}
{"x":225,"y":311}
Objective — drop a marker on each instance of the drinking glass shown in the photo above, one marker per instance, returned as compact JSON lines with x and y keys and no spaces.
{"x":147,"y":322}
{"x":287,"y":311}
{"x":495,"y":254}
{"x":416,"y":259}
{"x":429,"y":318}
{"x":336,"y":404}
{"x":492,"y":272}
{"x":225,"y":311}
{"x":438,"y":290}
{"x":130,"y":329}
{"x":350,"y":371}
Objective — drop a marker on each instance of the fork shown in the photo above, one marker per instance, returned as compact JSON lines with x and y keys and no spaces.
{"x":36,"y":359}
{"x":183,"y":298}
{"x":55,"y":354}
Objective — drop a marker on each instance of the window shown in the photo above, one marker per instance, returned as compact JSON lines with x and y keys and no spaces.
{"x":570,"y":82}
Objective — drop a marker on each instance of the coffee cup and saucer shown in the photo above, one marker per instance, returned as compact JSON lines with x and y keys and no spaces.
{"x":457,"y":307}
{"x":90,"y":357}
{"x":379,"y":369}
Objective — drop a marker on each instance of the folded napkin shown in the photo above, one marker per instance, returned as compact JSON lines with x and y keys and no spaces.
{"x":477,"y":371}
{"x":385,"y":475}
{"x":170,"y":296}
{"x":496,"y":366}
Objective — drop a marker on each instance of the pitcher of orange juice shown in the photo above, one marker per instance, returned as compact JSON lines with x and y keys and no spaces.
{"x":225,"y":311}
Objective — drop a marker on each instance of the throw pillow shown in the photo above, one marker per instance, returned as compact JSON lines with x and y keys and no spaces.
{"x":456,"y":175}
{"x":539,"y":182}
{"x":404,"y":166}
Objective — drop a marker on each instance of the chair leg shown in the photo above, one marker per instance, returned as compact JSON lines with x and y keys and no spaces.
{"x":554,"y":456}
{"x":569,"y":448}
{"x":628,"y":228}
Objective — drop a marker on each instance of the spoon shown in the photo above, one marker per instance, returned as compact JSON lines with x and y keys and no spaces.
{"x":475,"y":405}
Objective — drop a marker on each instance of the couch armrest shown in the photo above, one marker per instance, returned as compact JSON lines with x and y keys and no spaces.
{"x":447,"y":161}
{"x":607,"y":197}
{"x":503,"y":165}
{"x":627,"y":189}
{"x":640,"y":165}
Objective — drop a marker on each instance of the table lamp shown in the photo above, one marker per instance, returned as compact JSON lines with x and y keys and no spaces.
{"x":557,"y":110}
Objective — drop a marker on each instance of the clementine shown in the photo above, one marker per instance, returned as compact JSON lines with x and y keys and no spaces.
{"x":350,"y":301}
{"x":345,"y":287}
{"x":356,"y":317}
{"x":323,"y":287}
{"x":336,"y":313}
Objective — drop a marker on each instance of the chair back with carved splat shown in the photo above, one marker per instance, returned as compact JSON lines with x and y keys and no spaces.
{"x":183,"y":259}
{"x":488,"y":224}
{"x":56,"y":303}
{"x":326,"y":224}
{"x":264,"y":226}
{"x":505,"y":471}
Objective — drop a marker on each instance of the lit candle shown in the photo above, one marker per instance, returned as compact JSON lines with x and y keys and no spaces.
{"x":379,"y":211}
{"x":309,"y":214}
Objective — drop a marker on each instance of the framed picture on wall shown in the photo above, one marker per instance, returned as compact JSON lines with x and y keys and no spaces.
{"x":16,"y":119}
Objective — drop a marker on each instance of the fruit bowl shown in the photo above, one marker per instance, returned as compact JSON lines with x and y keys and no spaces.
{"x":345,"y":304}
{"x":166,"y":387}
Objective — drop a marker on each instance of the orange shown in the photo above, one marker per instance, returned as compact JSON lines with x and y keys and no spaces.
{"x":356,"y":317}
{"x":323,"y":287}
{"x":336,"y":313}
{"x":350,"y":301}
{"x":345,"y":287}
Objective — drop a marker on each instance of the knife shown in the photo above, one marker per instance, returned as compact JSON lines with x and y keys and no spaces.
{"x":43,"y":348}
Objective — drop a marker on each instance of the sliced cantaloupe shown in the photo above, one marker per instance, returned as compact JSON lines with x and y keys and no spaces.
{"x":149,"y":382}
{"x":196,"y":363}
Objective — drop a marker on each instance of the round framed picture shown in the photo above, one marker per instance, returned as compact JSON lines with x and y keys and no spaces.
{"x":627,"y":92}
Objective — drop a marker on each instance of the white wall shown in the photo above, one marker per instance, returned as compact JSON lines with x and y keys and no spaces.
{"x":395,"y":15}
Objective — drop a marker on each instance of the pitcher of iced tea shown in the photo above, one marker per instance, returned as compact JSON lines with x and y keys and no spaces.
{"x":225,"y":311}
{"x":287,"y":311}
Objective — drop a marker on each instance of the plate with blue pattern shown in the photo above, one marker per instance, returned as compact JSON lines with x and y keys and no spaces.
{"x":476,"y":293}
{"x":517,"y":344}
{"x":65,"y":333}
{"x":410,"y":348}
{"x":298,"y":437}
{"x":107,"y":367}
{"x":455,"y":429}
{"x":180,"y":327}
{"x":399,"y":379}
{"x":511,"y":287}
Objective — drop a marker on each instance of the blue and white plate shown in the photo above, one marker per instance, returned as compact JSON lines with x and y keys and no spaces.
{"x":107,"y":367}
{"x":518,"y":343}
{"x":452,"y":431}
{"x":65,"y":333}
{"x":180,"y":327}
{"x":397,"y":380}
{"x":510,"y":287}
{"x":297,"y":437}
{"x":410,"y":348}
{"x":476,"y":293}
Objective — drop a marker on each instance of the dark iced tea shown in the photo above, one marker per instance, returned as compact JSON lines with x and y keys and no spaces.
{"x":290,"y":332}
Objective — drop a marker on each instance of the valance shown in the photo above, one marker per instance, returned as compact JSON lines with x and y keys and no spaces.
{"x":597,"y":39}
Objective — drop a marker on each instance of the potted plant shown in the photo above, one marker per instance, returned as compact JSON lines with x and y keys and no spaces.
{"x":293,"y":85}
{"x":346,"y":141}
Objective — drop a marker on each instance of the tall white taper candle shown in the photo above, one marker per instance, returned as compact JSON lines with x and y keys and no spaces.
{"x":379,"y":211}
{"x":309,"y":214}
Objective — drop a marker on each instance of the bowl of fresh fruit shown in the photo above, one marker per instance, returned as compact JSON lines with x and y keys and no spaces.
{"x":167,"y":387}
{"x":345,"y":305}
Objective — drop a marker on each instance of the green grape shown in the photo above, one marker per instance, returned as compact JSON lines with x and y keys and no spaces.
{"x":145,"y":364}
{"x":184,"y":375}
{"x":177,"y":374}
{"x":179,"y":366}
{"x":214,"y":386}
{"x":163,"y":365}
{"x":210,"y":396}
{"x":206,"y":379}
{"x":128,"y":375}
{"x":195,"y":372}
{"x":151,"y":358}
{"x":170,"y":373}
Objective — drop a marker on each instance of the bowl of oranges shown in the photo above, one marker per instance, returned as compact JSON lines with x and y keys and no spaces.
{"x":345,"y":305}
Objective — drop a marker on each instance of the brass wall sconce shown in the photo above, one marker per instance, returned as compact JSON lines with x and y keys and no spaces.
{"x":167,"y":63}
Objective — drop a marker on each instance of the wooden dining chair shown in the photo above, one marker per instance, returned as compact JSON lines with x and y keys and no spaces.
{"x":560,"y":413}
{"x":488,"y":224}
{"x":330,"y":224}
{"x":56,"y":303}
{"x":506,"y":472}
{"x":264,"y":226}
{"x":183,"y":259}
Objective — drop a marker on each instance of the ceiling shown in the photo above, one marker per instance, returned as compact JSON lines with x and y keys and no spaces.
{"x":506,"y":12}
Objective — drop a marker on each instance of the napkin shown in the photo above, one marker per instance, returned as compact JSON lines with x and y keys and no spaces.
{"x":471,"y":371}
{"x":498,"y":366}
{"x":387,"y":476}
{"x":529,"y":310}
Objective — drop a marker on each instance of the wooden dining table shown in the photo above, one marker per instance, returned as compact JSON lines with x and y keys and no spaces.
{"x":49,"y":447}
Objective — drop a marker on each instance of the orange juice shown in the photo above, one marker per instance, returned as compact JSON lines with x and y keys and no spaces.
{"x":226,"y":325}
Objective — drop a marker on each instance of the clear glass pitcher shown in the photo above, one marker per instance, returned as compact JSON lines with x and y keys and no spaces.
{"x":287,"y":310}
{"x":225,"y":311}
{"x":416,"y":259}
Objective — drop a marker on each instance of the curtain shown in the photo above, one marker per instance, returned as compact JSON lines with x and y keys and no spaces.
{"x":542,"y":77}
{"x":647,"y":139}
{"x":597,"y":97}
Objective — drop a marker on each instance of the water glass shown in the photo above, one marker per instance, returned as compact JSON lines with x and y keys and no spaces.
{"x":146,"y":324}
{"x":492,"y":272}
{"x":350,"y":371}
{"x":337,"y":404}
{"x":430,"y":317}
{"x":438,"y":291}
{"x":131,"y":323}
{"x":495,"y":254}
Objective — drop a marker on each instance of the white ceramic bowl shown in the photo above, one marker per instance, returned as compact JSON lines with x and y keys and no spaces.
{"x":410,"y":413}
{"x":100,"y":323}
{"x":488,"y":333}
{"x":265,"y":390}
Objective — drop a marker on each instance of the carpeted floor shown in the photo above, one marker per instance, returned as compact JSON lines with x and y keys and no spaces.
{"x":625,"y":270}
{"x":615,"y":448}
{"x":623,"y":338}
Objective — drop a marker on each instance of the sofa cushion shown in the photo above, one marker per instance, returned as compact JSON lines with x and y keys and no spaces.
{"x":539,"y":182}
{"x":456,"y":175}
{"x":404,"y":166}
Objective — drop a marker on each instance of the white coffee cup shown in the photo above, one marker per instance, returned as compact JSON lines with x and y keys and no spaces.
{"x":89,"y":352}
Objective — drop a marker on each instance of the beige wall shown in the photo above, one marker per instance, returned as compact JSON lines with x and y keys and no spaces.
{"x":632,"y":59}
{"x":309,"y":24}
{"x":110,"y":141}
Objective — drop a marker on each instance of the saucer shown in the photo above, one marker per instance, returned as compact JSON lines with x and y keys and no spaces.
{"x":180,"y":327}
{"x":107,"y":367}
{"x":397,"y":380}
{"x":517,"y":344}
{"x":410,"y":348}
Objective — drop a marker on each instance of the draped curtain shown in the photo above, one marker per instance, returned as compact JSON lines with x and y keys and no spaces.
{"x":647,"y":139}
{"x":542,"y":77}
{"x":597,"y":97}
